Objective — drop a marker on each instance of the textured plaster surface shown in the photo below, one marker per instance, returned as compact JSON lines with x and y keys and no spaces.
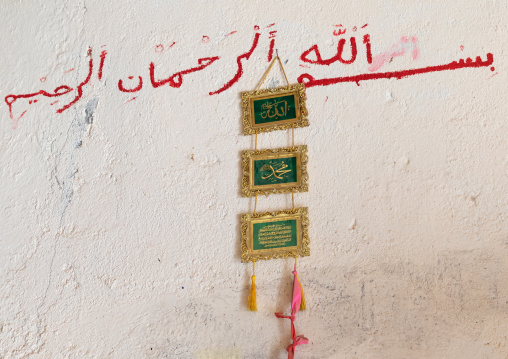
{"x":119,"y":220}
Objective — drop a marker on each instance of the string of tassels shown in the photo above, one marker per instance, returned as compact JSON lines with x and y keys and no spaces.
{"x":296,"y":305}
{"x":303,"y":305}
{"x":252,"y":295}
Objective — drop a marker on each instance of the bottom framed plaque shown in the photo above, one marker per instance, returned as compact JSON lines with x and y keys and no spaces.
{"x":275,"y":235}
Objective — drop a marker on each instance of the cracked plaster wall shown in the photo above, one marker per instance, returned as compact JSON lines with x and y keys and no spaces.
{"x":119,"y":220}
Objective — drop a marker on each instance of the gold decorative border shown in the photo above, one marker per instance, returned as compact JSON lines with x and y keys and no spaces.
{"x":302,"y":250}
{"x":301,"y":119}
{"x":248,"y":157}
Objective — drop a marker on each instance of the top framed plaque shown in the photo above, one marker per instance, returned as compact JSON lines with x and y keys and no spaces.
{"x":274,"y":109}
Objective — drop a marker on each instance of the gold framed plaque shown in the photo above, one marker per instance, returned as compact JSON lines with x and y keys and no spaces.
{"x":278,"y":170}
{"x":273,"y":109}
{"x":275,"y":235}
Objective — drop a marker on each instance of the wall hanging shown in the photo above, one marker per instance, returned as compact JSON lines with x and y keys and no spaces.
{"x":285,"y":233}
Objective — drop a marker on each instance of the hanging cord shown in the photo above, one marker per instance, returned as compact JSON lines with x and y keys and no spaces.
{"x":256,"y":143}
{"x":293,"y":197}
{"x":270,"y":68}
{"x":282,"y":67}
{"x":255,"y":203}
{"x":293,"y":129}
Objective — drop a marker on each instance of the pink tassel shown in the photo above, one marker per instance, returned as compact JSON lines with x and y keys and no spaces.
{"x":295,"y":307}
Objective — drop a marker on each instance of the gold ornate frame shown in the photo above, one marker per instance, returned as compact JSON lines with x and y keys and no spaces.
{"x":248,"y":158}
{"x":301,"y":249}
{"x":301,"y":120}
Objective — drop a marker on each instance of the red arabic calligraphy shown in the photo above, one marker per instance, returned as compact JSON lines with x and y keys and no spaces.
{"x":176,"y":79}
{"x":331,"y":60}
{"x":272,"y":45}
{"x":239,"y":71}
{"x":101,"y":64}
{"x":310,"y":81}
{"x":80,"y":86}
{"x":399,"y":49}
{"x":312,"y":56}
{"x":366,"y":41}
{"x":135,"y":89}
{"x":10,"y":99}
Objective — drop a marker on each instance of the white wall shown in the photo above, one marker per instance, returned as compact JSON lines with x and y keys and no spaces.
{"x":119,"y":220}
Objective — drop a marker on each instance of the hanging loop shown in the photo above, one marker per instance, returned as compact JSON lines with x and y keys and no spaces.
{"x":270,"y":68}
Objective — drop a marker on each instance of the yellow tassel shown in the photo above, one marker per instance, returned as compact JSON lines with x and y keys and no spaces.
{"x":303,"y":305}
{"x":252,"y":296}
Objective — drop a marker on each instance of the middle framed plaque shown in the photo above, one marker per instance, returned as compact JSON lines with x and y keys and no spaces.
{"x":278,"y":170}
{"x":275,"y":235}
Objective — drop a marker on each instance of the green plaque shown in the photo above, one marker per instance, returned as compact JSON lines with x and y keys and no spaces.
{"x":279,"y":108}
{"x":275,"y":171}
{"x":277,"y":234}
{"x":272,"y":235}
{"x":274,"y":109}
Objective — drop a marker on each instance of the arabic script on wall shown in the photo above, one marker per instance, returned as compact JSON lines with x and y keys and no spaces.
{"x":349,"y":50}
